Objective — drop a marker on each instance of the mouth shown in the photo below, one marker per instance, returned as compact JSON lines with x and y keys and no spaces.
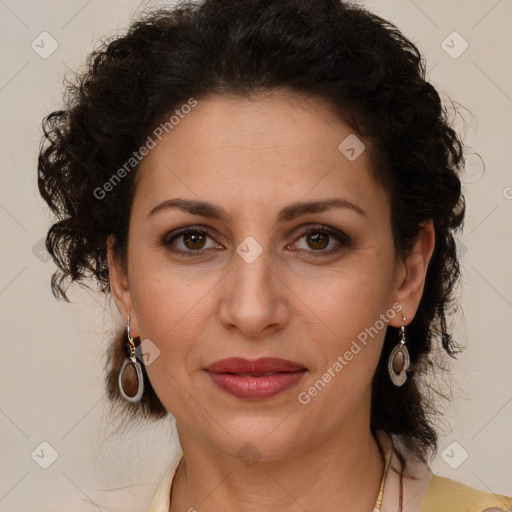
{"x":254,"y":374}
{"x":254,"y":367}
{"x":255,"y":379}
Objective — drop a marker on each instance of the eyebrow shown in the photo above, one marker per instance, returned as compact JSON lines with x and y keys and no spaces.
{"x":290,"y":212}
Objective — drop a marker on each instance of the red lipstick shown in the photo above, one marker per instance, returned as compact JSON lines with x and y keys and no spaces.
{"x":257,"y":378}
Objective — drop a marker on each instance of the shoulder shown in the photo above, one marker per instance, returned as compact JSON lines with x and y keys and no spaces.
{"x":446,"y":494}
{"x":162,"y":497}
{"x":420,"y":490}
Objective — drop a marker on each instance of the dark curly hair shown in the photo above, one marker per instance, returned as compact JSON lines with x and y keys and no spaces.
{"x":366,"y":70}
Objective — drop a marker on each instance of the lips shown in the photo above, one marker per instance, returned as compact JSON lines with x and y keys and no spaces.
{"x":255,"y":379}
{"x":239,"y":366}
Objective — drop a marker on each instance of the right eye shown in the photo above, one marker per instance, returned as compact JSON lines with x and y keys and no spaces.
{"x":189,"y":242}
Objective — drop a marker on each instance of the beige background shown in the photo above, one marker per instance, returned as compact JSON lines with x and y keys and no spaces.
{"x":53,"y":352}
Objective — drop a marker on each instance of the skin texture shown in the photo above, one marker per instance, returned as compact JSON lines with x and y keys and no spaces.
{"x":253,"y":157}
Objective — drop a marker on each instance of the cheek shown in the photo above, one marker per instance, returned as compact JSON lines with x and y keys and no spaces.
{"x":355,"y":293}
{"x":166,"y":296}
{"x":355,"y":316}
{"x":354,"y":306}
{"x":173,"y":318}
{"x":171,"y":312}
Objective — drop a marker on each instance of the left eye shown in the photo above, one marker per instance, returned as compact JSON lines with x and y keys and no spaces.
{"x":319,"y":239}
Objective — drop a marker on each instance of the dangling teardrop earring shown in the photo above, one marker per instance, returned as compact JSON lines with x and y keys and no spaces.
{"x":399,"y":360}
{"x":131,"y":369}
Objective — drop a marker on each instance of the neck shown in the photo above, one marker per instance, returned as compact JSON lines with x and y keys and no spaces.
{"x":342,"y":473}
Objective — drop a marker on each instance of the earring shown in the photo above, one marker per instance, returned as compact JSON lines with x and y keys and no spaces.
{"x":399,"y":360}
{"x":131,"y":368}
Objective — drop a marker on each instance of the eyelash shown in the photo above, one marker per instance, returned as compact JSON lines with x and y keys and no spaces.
{"x":343,"y":239}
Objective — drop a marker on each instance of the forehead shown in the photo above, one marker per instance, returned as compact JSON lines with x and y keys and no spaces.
{"x":272,"y":148}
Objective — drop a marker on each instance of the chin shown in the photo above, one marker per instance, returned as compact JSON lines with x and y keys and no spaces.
{"x":254,"y":438}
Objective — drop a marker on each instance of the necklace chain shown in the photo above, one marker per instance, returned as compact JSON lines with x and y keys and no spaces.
{"x":378,"y":503}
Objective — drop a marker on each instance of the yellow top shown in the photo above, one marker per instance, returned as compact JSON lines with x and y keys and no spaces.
{"x":422,"y":490}
{"x":445,"y":494}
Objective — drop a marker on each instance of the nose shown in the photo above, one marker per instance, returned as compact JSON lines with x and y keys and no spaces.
{"x":255,"y":299}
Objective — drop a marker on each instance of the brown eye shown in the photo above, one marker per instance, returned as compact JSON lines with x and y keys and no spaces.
{"x":190,"y":242}
{"x":322,"y":241}
{"x":318,"y":241}
{"x":193,"y":240}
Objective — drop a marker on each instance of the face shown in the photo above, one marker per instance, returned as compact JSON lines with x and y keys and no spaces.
{"x":259,"y":273}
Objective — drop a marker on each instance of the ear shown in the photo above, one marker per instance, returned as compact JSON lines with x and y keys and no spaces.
{"x":411,"y":274}
{"x":120,"y":287}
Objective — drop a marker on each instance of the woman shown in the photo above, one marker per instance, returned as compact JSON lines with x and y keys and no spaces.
{"x":269,"y":189}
